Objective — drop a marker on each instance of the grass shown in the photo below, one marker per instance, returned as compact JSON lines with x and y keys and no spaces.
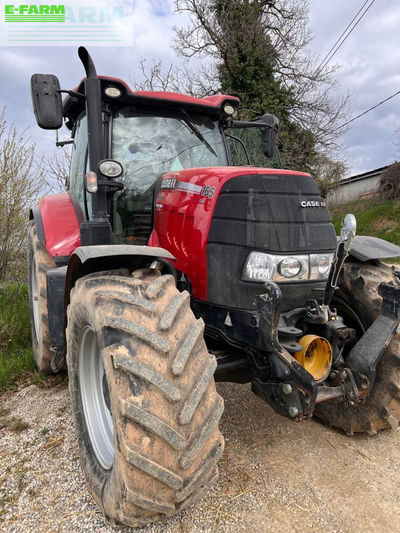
{"x":374,"y":218}
{"x":15,"y":335}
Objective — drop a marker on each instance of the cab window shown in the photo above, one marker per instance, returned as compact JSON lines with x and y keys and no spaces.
{"x":79,"y":163}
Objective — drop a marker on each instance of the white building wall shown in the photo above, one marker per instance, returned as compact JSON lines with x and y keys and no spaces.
{"x":355,"y":189}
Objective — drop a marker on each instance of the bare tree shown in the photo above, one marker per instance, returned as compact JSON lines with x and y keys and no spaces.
{"x":21,"y":183}
{"x":212,"y":32}
{"x":155,"y":77}
{"x":328,"y":174}
{"x":222,"y":36}
{"x":57,"y":170}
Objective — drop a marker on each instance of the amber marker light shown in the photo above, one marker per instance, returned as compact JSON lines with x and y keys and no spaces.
{"x":91,"y":182}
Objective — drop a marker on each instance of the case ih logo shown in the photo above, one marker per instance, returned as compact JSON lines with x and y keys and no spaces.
{"x":168,"y":183}
{"x":313,"y":203}
{"x":34,"y":13}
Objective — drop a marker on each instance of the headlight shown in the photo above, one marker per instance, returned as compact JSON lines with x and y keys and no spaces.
{"x":259,"y":267}
{"x":268,"y":267}
{"x":324,"y":264}
{"x":289,"y":267}
{"x":110,"y":168}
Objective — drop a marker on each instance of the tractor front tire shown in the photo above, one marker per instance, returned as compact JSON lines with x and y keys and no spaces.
{"x":39,"y":263}
{"x":358,"y":286}
{"x":143,"y":394}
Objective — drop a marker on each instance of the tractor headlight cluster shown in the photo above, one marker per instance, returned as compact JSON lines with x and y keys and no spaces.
{"x":262,"y":267}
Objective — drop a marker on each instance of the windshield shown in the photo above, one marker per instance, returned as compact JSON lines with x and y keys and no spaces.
{"x":149,"y":144}
{"x":252,"y":140}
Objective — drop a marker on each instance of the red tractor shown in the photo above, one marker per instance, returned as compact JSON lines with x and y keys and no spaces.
{"x":172,"y":262}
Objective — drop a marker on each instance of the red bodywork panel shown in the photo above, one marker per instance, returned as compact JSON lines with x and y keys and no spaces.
{"x":214,"y":101}
{"x":61,"y":224}
{"x":183,"y":215}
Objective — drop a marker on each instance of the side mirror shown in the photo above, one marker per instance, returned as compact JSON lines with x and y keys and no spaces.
{"x":47,"y":102}
{"x":348,"y":231}
{"x":269,"y":134}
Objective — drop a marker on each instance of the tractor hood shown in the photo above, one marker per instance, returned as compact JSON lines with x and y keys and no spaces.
{"x":210,"y":219}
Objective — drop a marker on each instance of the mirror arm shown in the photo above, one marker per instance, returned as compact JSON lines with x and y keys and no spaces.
{"x":75,"y":94}
{"x":239,"y":124}
{"x":63,"y":143}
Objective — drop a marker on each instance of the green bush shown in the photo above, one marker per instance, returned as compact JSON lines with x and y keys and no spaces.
{"x":15,"y":336}
{"x":374,"y":218}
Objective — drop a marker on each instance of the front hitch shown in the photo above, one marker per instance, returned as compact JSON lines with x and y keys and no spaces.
{"x":295,"y":392}
{"x":289,"y":388}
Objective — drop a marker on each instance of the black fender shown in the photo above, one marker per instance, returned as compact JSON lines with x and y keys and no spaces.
{"x":35,"y":215}
{"x":367,"y":248}
{"x":87,"y":260}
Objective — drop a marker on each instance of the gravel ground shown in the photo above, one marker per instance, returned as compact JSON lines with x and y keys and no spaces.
{"x":275,"y":475}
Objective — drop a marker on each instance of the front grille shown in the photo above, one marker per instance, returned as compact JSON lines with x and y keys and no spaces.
{"x":263,"y":212}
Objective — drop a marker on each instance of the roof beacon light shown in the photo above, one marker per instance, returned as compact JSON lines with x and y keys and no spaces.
{"x":112,"y":92}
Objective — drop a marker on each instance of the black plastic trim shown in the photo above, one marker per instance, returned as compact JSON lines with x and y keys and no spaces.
{"x":243,"y":331}
{"x":55,"y":280}
{"x":37,"y":217}
{"x":61,"y":260}
{"x":88,"y":259}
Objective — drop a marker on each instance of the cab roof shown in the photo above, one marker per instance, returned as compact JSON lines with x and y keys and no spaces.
{"x":73,"y":105}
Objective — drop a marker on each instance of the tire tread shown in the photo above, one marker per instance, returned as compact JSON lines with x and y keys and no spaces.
{"x":381,"y":410}
{"x":165,"y":406}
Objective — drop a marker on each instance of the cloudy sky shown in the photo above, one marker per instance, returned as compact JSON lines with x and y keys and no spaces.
{"x":369,"y":68}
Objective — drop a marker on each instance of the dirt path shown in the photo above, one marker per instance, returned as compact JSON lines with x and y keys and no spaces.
{"x":275,"y":475}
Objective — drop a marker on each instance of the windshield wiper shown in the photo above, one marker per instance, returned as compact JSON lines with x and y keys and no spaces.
{"x":194,"y":129}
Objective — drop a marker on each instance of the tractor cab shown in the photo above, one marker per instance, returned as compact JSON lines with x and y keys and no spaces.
{"x":150,"y":134}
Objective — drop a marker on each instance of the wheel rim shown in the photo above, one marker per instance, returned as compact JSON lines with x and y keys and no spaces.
{"x":35,"y":300}
{"x":94,"y":394}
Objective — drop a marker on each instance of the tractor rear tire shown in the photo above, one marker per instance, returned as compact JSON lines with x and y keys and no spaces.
{"x":39,"y":263}
{"x":145,"y":405}
{"x":358,"y":286}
